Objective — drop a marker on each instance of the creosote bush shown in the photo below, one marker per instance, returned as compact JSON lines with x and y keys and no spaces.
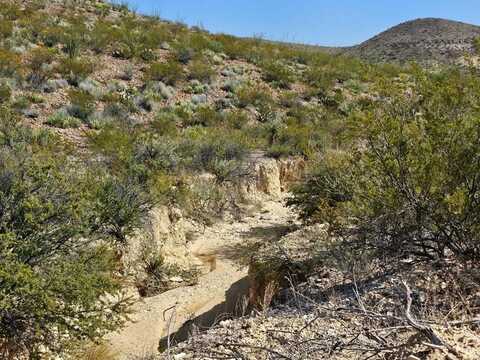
{"x":277,"y":73}
{"x":409,"y":187}
{"x":170,"y":72}
{"x":75,"y":70}
{"x":56,"y":263}
{"x":82,"y":104}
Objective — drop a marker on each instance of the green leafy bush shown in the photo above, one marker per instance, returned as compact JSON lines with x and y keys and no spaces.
{"x":10,"y":63}
{"x":53,"y":267}
{"x":5,"y":93}
{"x":183,"y":54}
{"x":253,"y":94}
{"x":476,"y":45}
{"x":170,"y":72}
{"x":75,"y":70}
{"x":412,"y":177}
{"x":200,"y":69}
{"x":204,"y":116}
{"x":40,"y":59}
{"x":6,"y":29}
{"x":63,"y":120}
{"x":277,"y":73}
{"x":82,"y":104}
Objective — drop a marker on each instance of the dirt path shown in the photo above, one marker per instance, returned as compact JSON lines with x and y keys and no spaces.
{"x":218,"y":293}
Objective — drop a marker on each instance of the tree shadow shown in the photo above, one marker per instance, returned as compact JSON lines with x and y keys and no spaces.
{"x":230,"y":308}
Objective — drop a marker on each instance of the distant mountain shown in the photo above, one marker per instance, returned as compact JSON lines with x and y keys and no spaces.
{"x":422,"y":40}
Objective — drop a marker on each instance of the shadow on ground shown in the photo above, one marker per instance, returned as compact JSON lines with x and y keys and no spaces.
{"x":254,"y":239}
{"x":234,"y":305}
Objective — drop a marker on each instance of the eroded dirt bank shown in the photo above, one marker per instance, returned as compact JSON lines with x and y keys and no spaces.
{"x":220,"y":292}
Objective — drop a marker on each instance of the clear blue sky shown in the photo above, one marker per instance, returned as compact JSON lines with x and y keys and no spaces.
{"x":323,"y":22}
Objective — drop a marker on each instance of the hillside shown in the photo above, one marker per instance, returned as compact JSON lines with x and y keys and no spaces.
{"x":422,"y":40}
{"x":169,"y":192}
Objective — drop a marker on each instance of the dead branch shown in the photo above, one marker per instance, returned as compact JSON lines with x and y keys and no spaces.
{"x":425,"y":330}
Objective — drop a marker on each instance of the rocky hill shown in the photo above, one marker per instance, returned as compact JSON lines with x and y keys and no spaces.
{"x":422,"y":40}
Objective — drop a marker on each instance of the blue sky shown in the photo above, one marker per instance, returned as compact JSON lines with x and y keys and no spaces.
{"x":332,"y":22}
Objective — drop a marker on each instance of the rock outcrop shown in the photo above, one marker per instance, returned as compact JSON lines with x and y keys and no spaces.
{"x":167,"y":230}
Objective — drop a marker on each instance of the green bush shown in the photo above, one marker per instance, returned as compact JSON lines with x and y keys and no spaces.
{"x":200,"y":69}
{"x":278,"y":74}
{"x":183,"y":54}
{"x":54,"y":268}
{"x":253,"y":94}
{"x":6,"y":29}
{"x":476,"y":45}
{"x":5,"y":93}
{"x":10,"y":63}
{"x":165,"y":123}
{"x":82,"y":104}
{"x":63,"y":120}
{"x":412,"y":177}
{"x":204,"y":116}
{"x":40,"y":59}
{"x":236,"y":119}
{"x":75,"y":70}
{"x":170,"y":72}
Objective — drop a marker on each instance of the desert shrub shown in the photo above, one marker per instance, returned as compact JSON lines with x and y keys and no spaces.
{"x":5,"y":93}
{"x":216,"y":152}
{"x":51,"y":35}
{"x":170,"y":72}
{"x":325,"y":186}
{"x":75,"y":70}
{"x":10,"y":63}
{"x":158,"y":154}
{"x":165,"y":123}
{"x":183,"y":54}
{"x":121,"y":208}
{"x":236,"y":119}
{"x":82,"y":104}
{"x":289,"y":99}
{"x":115,"y":110}
{"x":158,"y":275}
{"x":62,"y":120}
{"x":204,"y":116}
{"x":412,"y":178}
{"x":476,"y":45}
{"x":54,"y":269}
{"x":6,"y":29}
{"x":320,"y":78}
{"x":205,"y":201}
{"x":252,"y":94}
{"x":11,"y":11}
{"x":95,"y":352}
{"x":297,"y":139}
{"x":278,"y":74}
{"x":21,"y":103}
{"x":102,"y":36}
{"x":232,"y":46}
{"x":40,"y":59}
{"x":200,"y":69}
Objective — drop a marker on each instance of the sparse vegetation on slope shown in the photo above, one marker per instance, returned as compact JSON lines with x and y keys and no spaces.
{"x":426,"y":41}
{"x":106,"y":114}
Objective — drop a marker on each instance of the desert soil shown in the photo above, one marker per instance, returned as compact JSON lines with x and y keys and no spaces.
{"x":218,"y":294}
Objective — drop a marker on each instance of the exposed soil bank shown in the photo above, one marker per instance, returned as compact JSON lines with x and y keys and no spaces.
{"x":221,"y":293}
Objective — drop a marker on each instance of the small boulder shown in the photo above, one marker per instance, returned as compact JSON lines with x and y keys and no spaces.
{"x":165,"y":46}
{"x":30,"y":113}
